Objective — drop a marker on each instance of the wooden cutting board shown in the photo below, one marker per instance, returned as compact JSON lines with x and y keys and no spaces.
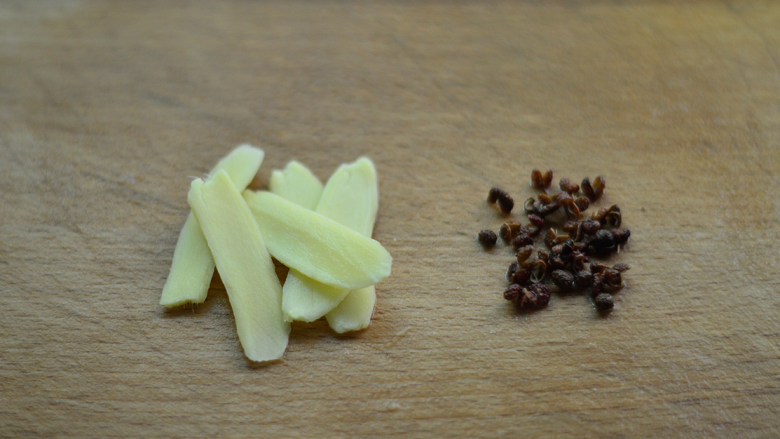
{"x":109,"y":109}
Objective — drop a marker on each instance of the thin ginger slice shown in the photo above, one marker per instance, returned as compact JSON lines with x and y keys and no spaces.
{"x":354,"y":312}
{"x":192,"y":266}
{"x":317,"y":246}
{"x":351,"y":198}
{"x":244,"y":265}
{"x":296,"y":183}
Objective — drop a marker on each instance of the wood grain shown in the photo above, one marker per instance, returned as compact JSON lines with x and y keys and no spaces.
{"x":109,"y":108}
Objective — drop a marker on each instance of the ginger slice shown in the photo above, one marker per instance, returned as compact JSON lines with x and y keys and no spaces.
{"x":317,"y":246}
{"x":351,"y":198}
{"x":354,"y":312}
{"x":192,"y":266}
{"x":244,"y":265}
{"x":296,"y":183}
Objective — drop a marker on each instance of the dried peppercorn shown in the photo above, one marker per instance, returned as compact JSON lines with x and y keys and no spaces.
{"x":621,"y":235}
{"x":523,"y":254}
{"x":587,"y":188}
{"x":502,"y":199}
{"x":541,"y":181}
{"x":603,"y":242}
{"x":487,"y":238}
{"x":599,"y":184}
{"x":509,"y":230}
{"x":513,"y":292}
{"x":547,"y":209}
{"x":613,"y":281}
{"x":595,"y":190}
{"x":494,"y":193}
{"x":547,"y":178}
{"x":613,"y":218}
{"x":562,"y":279}
{"x":582,"y":203}
{"x":604,"y":302}
{"x":522,"y":240}
{"x":534,"y":296}
{"x":538,"y":270}
{"x":522,"y":276}
{"x":577,"y":260}
{"x":536,"y":220}
{"x":571,"y":227}
{"x":583,"y":279}
{"x":552,"y":238}
{"x":590,"y":227}
{"x":568,"y":186}
{"x":530,"y":205}
{"x":510,"y":272}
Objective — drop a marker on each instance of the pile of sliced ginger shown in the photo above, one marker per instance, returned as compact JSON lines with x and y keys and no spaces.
{"x":322,"y":234}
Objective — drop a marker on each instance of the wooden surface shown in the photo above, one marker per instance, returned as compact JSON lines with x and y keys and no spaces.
{"x":108,"y":109}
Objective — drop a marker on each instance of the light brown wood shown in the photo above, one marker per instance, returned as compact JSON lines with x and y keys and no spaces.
{"x":109,"y":108}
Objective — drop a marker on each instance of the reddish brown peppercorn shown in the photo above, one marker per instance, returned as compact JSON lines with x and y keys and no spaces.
{"x":604,"y":302}
{"x":612,"y":279}
{"x":487,"y":238}
{"x":571,"y":227}
{"x":509,"y":230}
{"x":569,"y":206}
{"x":534,"y":296}
{"x":493,"y":194}
{"x":621,"y":235}
{"x":589,"y":226}
{"x":510,"y":272}
{"x":613,"y":218}
{"x":522,"y":276}
{"x":577,"y":260}
{"x":538,"y":270}
{"x":595,"y":190}
{"x":506,"y":204}
{"x":567,"y":185}
{"x":582,"y":203}
{"x":552,"y":238}
{"x":501,"y":197}
{"x":541,"y":181}
{"x":547,"y":178}
{"x":523,"y":254}
{"x":536,"y":179}
{"x":603,"y":242}
{"x":599,"y":184}
{"x":513,"y":292}
{"x":587,"y":188}
{"x":547,"y":209}
{"x":583,"y":279}
{"x":536,"y":220}
{"x":562,"y":279}
{"x":522,"y":240}
{"x":530,"y":205}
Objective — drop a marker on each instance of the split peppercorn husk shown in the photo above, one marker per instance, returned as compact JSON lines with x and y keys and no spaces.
{"x":571,"y":242}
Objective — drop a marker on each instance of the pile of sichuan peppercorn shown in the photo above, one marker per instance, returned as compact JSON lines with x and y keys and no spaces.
{"x":572,"y":242}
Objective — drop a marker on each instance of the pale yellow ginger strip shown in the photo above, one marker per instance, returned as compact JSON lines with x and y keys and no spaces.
{"x":316,"y":246}
{"x":244,"y":265}
{"x":296,"y":183}
{"x":351,"y":198}
{"x":354,"y":312}
{"x":192,"y":266}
